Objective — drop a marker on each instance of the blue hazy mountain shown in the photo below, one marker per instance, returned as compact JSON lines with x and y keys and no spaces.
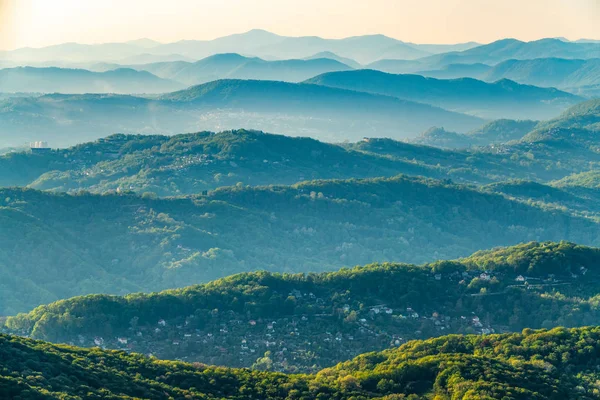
{"x":64,"y":80}
{"x":573,"y":75}
{"x":492,"y":54}
{"x":295,"y":109}
{"x":507,"y":49}
{"x":147,"y":58}
{"x":455,"y":71}
{"x":578,"y":76}
{"x":332,"y":56}
{"x":235,"y":66}
{"x":257,"y":42}
{"x":502,"y":99}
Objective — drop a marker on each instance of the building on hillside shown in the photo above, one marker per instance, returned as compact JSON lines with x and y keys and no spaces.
{"x":39,"y":147}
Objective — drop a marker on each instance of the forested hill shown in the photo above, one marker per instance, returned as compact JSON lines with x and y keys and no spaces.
{"x":131,"y":243}
{"x":192,"y":163}
{"x":309,"y":321}
{"x":556,"y":364}
{"x":496,"y":132}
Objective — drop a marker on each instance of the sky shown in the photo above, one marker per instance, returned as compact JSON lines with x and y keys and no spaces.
{"x":37,"y":23}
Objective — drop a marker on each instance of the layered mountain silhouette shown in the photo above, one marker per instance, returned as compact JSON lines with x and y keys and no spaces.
{"x":500,"y":99}
{"x":52,"y":80}
{"x":295,"y":109}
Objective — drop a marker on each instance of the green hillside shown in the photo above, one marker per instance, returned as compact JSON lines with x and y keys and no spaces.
{"x":569,"y":141}
{"x":54,"y":243}
{"x":311,"y":321}
{"x":498,"y":131}
{"x":192,"y":163}
{"x":583,"y":115}
{"x":556,"y":364}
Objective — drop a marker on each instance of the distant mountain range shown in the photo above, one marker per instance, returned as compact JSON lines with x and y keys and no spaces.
{"x":295,"y":109}
{"x":258,"y":43}
{"x":504,"y":98}
{"x":377,"y":51}
{"x":494,"y":53}
{"x":332,"y":56}
{"x":52,"y":80}
{"x":573,"y":75}
{"x":235,"y":66}
{"x":507,"y":49}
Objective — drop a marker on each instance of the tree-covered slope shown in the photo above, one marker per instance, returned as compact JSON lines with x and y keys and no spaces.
{"x":569,"y":141}
{"x":583,"y":115}
{"x":495,"y":132}
{"x":556,"y":364}
{"x":192,"y":163}
{"x":54,"y":242}
{"x":310,"y":321}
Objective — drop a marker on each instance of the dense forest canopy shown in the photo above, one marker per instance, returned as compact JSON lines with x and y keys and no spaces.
{"x":123,"y":243}
{"x":556,"y":364}
{"x":310,"y":321}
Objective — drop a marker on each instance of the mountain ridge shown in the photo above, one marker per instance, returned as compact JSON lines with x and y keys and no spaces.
{"x":463,"y":94}
{"x":158,"y":243}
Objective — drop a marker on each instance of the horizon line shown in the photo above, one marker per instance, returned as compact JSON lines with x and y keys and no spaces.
{"x":159,"y":43}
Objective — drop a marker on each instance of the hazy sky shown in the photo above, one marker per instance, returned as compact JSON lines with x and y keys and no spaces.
{"x":38,"y":23}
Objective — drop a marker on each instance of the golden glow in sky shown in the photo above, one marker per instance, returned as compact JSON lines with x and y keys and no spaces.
{"x":37,"y":23}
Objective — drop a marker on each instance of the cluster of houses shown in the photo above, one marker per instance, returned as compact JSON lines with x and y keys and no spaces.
{"x":300,"y":343}
{"x":183,"y":162}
